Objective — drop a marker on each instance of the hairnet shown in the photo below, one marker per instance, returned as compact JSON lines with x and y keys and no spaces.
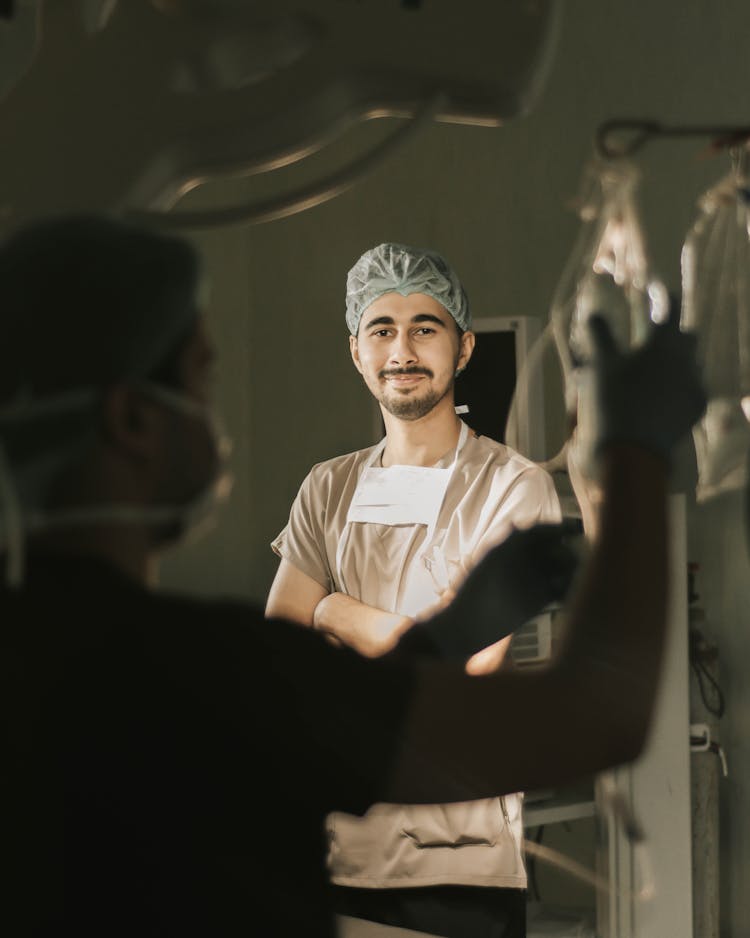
{"x":88,"y":301}
{"x":398,"y":268}
{"x":84,"y":302}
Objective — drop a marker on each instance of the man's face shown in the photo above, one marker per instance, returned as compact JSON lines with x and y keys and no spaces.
{"x":408,"y":350}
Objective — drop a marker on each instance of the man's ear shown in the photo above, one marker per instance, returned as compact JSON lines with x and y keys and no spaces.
{"x":129,"y":420}
{"x":465,"y":349}
{"x":354,"y":351}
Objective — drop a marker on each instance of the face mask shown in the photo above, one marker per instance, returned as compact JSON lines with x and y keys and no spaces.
{"x":199,"y":513}
{"x":18,"y":520}
{"x":22,"y":489}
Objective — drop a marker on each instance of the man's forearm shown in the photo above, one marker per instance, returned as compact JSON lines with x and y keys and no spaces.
{"x":591,"y":708}
{"x":370,"y":631}
{"x":618,"y":611}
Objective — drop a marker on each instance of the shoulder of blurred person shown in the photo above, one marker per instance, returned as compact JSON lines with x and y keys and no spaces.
{"x":178,"y":729}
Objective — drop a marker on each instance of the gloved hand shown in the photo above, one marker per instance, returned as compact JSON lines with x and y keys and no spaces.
{"x":510,"y":585}
{"x":651,"y":396}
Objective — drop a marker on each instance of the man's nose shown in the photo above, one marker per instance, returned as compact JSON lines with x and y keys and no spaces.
{"x":403,"y":351}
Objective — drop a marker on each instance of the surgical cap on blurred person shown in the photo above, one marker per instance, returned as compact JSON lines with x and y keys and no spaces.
{"x":398,"y":268}
{"x":87,"y":301}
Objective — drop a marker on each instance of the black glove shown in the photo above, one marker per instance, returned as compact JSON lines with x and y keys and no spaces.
{"x":650,"y":396}
{"x":513,"y":582}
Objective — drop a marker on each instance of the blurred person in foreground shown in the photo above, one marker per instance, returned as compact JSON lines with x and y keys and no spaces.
{"x":154,"y":743}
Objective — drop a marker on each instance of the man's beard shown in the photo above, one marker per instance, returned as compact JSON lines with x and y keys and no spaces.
{"x":411,"y":408}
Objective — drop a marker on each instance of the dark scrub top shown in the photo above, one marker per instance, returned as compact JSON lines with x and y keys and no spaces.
{"x":167,"y":762}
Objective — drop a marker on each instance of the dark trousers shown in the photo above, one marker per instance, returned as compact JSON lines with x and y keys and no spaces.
{"x":450,"y":911}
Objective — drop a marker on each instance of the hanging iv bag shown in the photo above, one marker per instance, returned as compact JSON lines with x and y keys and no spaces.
{"x":608,"y":274}
{"x":716,"y":306}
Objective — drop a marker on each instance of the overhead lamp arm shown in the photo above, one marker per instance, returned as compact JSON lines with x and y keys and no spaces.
{"x":257,"y":212}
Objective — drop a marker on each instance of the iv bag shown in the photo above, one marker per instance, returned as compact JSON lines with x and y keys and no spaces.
{"x":607,"y":273}
{"x":716,"y":306}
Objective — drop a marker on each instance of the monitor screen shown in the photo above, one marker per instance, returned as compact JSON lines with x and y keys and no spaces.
{"x":487,"y":385}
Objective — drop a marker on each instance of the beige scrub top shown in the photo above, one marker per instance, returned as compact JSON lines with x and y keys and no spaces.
{"x":492,"y":490}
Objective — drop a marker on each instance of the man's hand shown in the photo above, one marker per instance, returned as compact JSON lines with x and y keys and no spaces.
{"x":488,"y":660}
{"x":370,"y":631}
{"x":651,"y":396}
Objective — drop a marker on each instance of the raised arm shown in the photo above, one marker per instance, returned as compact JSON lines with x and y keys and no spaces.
{"x":592,"y":708}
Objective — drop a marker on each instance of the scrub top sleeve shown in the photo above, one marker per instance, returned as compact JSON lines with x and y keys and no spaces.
{"x":531,"y":500}
{"x":302,"y":541}
{"x":534,"y":499}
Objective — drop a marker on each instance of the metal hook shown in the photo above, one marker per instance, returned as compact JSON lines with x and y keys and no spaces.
{"x":641,"y":131}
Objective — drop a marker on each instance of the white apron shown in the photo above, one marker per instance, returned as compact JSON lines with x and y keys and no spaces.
{"x":470,"y":843}
{"x":403,"y":495}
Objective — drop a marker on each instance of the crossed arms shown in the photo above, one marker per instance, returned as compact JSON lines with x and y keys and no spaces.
{"x":368,"y":630}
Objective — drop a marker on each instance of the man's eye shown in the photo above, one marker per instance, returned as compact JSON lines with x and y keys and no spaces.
{"x":381,"y":333}
{"x":425,"y":330}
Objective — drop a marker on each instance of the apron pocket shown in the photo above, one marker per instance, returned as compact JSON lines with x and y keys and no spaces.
{"x":455,"y":825}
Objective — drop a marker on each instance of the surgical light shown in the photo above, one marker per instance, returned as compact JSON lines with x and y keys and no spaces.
{"x":155,"y":97}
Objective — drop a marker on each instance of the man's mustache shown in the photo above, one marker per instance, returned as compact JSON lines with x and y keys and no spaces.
{"x":413,"y":370}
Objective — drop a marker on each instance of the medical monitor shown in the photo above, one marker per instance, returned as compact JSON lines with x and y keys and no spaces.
{"x":500,"y":359}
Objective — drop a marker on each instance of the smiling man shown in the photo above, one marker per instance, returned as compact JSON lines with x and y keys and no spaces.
{"x":379,"y":538}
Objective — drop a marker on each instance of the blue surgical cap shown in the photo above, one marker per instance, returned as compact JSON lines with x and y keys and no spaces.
{"x":398,"y":268}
